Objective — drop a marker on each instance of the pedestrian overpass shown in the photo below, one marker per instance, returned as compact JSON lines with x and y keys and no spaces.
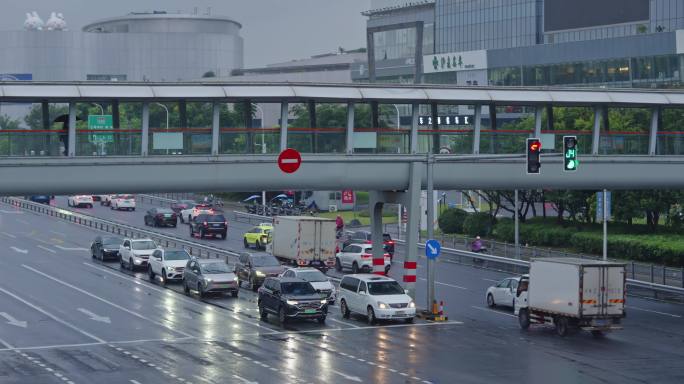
{"x":349,"y":135}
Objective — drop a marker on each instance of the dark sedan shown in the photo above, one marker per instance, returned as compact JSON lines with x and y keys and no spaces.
{"x":106,"y":248}
{"x":161,"y":217}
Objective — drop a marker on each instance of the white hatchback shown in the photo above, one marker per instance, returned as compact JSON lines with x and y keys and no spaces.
{"x":120,"y":202}
{"x":80,"y":201}
{"x":377,"y":297}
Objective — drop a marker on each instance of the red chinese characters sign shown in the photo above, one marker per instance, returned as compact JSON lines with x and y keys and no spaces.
{"x":347,"y":196}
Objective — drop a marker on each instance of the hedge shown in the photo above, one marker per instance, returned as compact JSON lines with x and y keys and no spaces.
{"x":451,"y":220}
{"x":478,"y":224}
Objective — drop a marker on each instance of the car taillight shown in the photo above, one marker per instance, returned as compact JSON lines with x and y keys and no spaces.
{"x":226,"y":223}
{"x":366,"y":255}
{"x":368,"y":242}
{"x":205,"y":224}
{"x":390,"y":242}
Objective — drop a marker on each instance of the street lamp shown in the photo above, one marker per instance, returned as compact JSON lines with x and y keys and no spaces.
{"x":167,"y":120}
{"x":263,"y":146}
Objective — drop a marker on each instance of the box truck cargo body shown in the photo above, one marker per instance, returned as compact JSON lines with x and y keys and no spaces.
{"x":572,"y":293}
{"x":304,"y":241}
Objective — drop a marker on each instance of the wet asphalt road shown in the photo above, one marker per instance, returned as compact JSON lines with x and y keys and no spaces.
{"x":65,"y":318}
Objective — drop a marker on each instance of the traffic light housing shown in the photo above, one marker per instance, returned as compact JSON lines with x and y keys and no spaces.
{"x":570,"y":153}
{"x":533,"y":156}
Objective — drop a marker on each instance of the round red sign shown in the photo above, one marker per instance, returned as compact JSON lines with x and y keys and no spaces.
{"x":289,"y":160}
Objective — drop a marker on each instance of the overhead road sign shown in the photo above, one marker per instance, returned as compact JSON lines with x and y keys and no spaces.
{"x":289,"y":160}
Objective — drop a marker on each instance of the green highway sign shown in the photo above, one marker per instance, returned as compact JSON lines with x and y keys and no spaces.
{"x":98,"y":123}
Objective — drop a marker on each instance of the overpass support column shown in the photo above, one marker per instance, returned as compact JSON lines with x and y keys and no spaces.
{"x":415,"y":110}
{"x":412,"y":201}
{"x":71,"y":138}
{"x":215,"y":126}
{"x":144,"y":139}
{"x":477,"y":129}
{"x":538,"y":121}
{"x":377,"y":201}
{"x":653,"y":137}
{"x":284,"y":114}
{"x":350,"y":129}
{"x":596,"y":133}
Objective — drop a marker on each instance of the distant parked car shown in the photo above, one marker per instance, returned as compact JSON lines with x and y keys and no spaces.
{"x":158,"y":217}
{"x":79,"y":201}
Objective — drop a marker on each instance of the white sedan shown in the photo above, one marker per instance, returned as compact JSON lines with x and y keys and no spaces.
{"x":120,"y":202}
{"x":503,"y":293}
{"x":80,"y":201}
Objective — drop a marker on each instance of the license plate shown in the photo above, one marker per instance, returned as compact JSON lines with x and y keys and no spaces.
{"x":167,"y":215}
{"x":216,"y":225}
{"x":310,"y":311}
{"x":400,"y":312}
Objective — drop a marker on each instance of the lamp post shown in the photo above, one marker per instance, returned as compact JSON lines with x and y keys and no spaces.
{"x":263,"y":146}
{"x":167,"y":120}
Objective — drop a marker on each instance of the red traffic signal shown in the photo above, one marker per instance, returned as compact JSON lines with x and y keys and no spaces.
{"x":533,"y":156}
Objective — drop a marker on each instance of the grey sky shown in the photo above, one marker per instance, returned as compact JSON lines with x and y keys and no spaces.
{"x":274,"y":30}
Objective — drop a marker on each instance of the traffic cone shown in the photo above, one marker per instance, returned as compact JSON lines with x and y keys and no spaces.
{"x":434,"y":308}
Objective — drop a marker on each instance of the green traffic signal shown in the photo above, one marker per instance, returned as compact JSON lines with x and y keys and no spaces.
{"x":570,"y":153}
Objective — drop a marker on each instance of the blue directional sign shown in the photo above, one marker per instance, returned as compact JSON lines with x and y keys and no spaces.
{"x":432,"y":248}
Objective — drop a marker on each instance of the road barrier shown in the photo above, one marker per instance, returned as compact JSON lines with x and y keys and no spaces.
{"x":193,"y":248}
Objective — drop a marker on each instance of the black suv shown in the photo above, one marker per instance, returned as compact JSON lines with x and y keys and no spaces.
{"x":291,"y":298}
{"x":255,"y":268}
{"x":206,"y":224}
{"x":158,"y":217}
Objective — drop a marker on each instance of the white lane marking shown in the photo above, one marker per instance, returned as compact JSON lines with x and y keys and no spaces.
{"x":448,"y":285}
{"x":242,"y":379}
{"x":9,"y":235}
{"x":348,"y":377}
{"x":200,"y":378}
{"x":104,"y":300}
{"x":46,"y":249}
{"x":50,"y":315}
{"x":8,"y":346}
{"x":12,"y":321}
{"x":23,"y":221}
{"x":343,"y":322}
{"x":13,"y":212}
{"x":491,"y":310}
{"x":71,"y":248}
{"x":94,"y":317}
{"x":19,"y":250}
{"x":492,"y":280}
{"x":176,"y":294}
{"x":652,"y":311}
{"x":58,"y":233}
{"x":135,"y":381}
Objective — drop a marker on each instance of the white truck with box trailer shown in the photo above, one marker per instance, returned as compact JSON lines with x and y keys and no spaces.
{"x":304,"y":241}
{"x":572,"y":294}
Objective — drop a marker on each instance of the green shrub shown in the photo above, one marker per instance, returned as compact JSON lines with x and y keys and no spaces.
{"x":451,"y":220}
{"x":650,"y":249}
{"x":478,"y":224}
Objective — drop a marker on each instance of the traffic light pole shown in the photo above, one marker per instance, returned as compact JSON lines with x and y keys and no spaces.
{"x":517,"y":227}
{"x":430,"y":228}
{"x":605,"y":226}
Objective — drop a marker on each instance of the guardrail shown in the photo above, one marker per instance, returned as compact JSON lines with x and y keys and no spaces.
{"x":193,"y":248}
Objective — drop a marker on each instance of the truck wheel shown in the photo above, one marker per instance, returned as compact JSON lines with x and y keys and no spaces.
{"x":490,"y":300}
{"x":355,"y":268}
{"x":524,"y":319}
{"x":561,"y":326}
{"x":338,"y":265}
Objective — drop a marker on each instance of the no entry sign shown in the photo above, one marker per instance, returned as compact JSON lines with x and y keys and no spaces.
{"x":289,"y":160}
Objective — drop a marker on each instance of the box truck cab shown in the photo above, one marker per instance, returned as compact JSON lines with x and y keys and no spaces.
{"x":572,"y":293}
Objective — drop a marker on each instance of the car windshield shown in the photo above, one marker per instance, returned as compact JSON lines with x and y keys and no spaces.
{"x":111,"y":241}
{"x":297,"y":288}
{"x":216,"y":218}
{"x":218,"y":267}
{"x":164,"y":211}
{"x":385,"y":288}
{"x":143,"y":245}
{"x":312,"y":276}
{"x":176,"y":255}
{"x":264,"y":261}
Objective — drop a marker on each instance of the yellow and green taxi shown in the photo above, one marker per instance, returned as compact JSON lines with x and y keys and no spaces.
{"x":258,"y":236}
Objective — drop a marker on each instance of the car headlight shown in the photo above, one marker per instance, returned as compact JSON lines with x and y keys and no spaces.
{"x":171,"y":269}
{"x":412,"y":305}
{"x":235,"y":278}
{"x":292,"y":302}
{"x":382,"y":306}
{"x":324,"y":301}
{"x":259,"y":273}
{"x":207,"y":280}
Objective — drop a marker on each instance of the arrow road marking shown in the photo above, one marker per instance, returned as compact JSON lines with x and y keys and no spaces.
{"x":94,"y":317}
{"x":348,"y":377}
{"x":12,"y":321}
{"x":245,"y":380}
{"x":71,"y":248}
{"x":15,"y":249}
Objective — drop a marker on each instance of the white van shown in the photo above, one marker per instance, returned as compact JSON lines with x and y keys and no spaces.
{"x":377,"y":297}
